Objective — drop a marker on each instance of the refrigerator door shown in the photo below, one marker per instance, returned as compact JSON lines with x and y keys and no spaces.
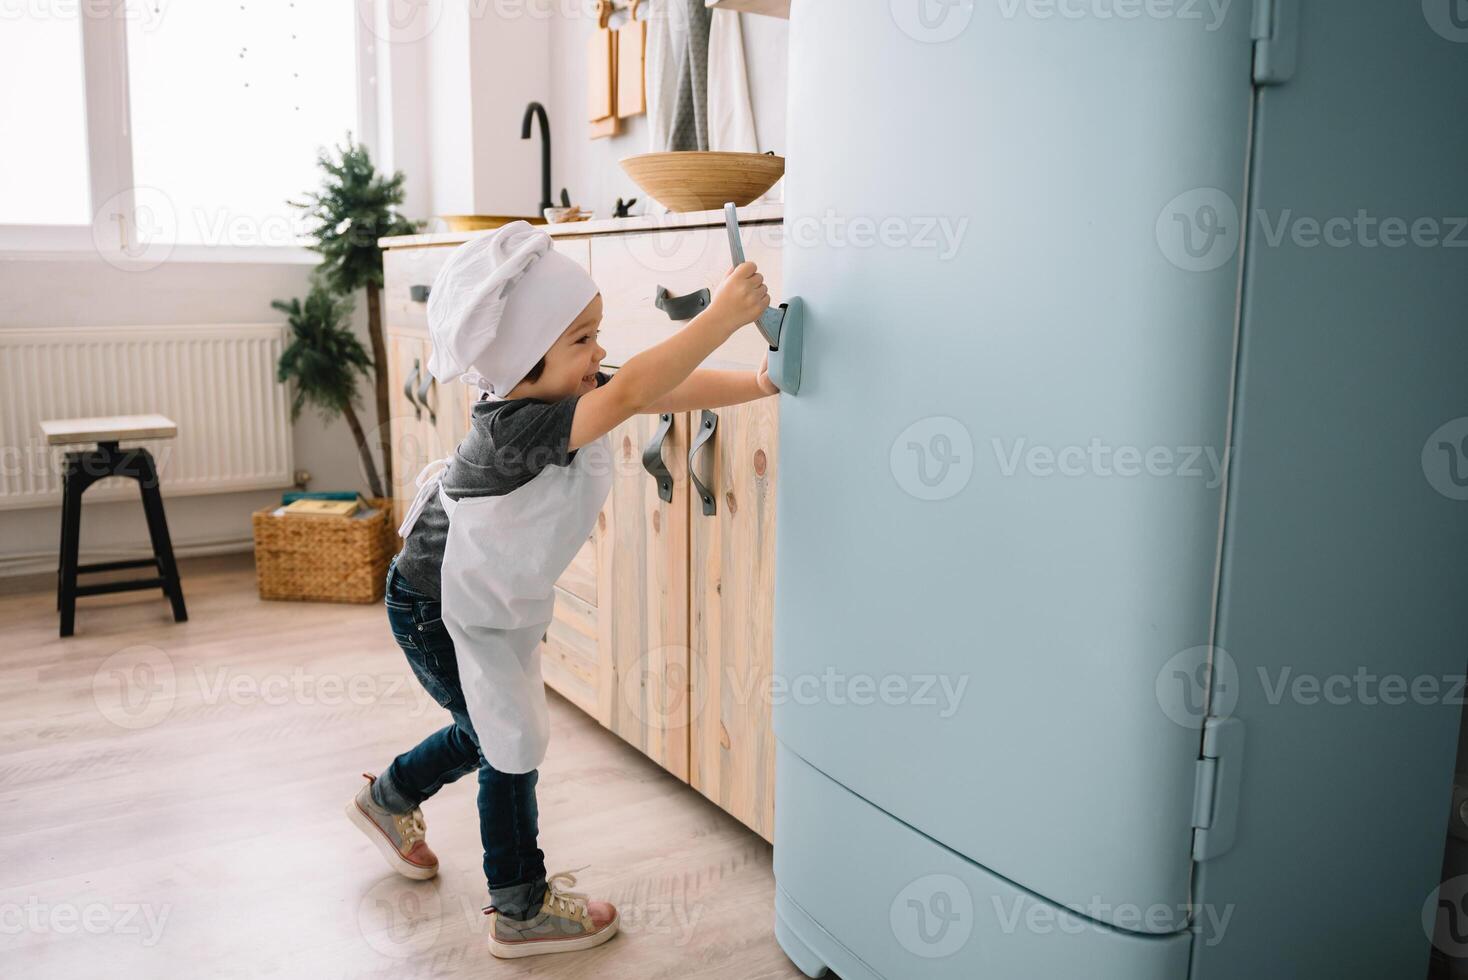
{"x":1000,"y":482}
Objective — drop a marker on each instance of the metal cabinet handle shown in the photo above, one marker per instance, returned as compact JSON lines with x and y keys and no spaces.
{"x":423,"y":396}
{"x":706,"y":427}
{"x":408,"y":388}
{"x":652,"y":458}
{"x":682,"y":307}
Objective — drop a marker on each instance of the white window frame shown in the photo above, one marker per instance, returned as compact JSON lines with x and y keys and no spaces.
{"x":111,"y":234}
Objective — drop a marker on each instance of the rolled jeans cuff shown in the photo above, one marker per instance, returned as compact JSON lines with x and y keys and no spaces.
{"x":385,"y":793}
{"x":519,"y":902}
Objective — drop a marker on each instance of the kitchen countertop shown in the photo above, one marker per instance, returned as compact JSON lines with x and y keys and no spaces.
{"x":751,"y":214}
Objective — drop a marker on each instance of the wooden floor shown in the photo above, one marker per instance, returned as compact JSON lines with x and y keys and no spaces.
{"x":171,"y":804}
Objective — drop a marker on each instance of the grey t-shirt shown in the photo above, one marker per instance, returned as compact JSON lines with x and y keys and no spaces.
{"x":508,"y":444}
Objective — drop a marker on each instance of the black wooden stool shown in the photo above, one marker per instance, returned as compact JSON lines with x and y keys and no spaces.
{"x":85,"y":467}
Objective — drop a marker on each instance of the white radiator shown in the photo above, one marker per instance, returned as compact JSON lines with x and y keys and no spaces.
{"x":217,"y":382}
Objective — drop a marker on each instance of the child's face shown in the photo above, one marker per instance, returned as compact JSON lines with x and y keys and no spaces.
{"x":572,"y":362}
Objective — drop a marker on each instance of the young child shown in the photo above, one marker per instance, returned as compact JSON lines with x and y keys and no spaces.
{"x":491,"y":530}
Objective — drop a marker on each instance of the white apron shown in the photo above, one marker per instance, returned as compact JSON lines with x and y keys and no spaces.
{"x":500,"y":565}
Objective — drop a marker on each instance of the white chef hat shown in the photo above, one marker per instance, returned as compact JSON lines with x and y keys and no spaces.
{"x":499,"y":303}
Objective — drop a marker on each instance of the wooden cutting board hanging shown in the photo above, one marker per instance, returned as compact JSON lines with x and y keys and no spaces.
{"x":601,"y":75}
{"x":632,"y":64}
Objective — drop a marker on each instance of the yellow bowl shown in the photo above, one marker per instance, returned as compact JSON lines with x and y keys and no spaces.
{"x":696,"y":180}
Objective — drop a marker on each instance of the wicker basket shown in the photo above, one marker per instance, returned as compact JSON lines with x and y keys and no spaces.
{"x":324,"y":559}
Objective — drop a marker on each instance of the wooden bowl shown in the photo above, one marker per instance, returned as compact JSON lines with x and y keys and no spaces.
{"x":480,"y":222}
{"x":695,"y":180}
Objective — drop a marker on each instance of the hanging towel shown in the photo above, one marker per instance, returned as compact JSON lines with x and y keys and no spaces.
{"x":689,"y":21}
{"x":731,"y":117}
{"x":662,"y":75}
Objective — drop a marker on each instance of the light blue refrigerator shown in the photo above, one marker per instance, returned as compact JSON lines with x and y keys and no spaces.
{"x":1128,"y":465}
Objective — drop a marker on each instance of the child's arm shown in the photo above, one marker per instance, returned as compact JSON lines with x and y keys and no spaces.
{"x":652,"y":374}
{"x":707,"y":388}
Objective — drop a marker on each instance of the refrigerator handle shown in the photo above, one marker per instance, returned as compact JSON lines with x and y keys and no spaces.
{"x":706,"y":426}
{"x":652,"y":459}
{"x":783,"y":328}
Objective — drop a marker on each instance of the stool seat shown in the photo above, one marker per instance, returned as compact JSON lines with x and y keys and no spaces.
{"x":107,"y":428}
{"x":85,"y":467}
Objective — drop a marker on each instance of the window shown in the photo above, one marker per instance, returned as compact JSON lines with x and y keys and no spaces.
{"x":203,"y":118}
{"x":43,"y":119}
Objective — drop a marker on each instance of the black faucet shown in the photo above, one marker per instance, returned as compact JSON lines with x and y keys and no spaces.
{"x":534,"y":110}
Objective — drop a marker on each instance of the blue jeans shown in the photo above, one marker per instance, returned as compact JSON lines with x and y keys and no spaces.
{"x":514,"y":865}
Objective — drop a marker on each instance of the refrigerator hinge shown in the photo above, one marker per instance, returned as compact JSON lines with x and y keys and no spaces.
{"x":1216,"y":793}
{"x":1275,"y":30}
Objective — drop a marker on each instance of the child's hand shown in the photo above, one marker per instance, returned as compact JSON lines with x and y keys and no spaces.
{"x":741,"y":297}
{"x":762,"y":377}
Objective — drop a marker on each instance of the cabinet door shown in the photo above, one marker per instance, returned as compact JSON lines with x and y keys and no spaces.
{"x":618,"y":645}
{"x":731,"y":571}
{"x":644,"y":582}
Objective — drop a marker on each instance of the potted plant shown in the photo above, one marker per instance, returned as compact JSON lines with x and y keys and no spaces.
{"x":353,"y":209}
{"x":324,"y":359}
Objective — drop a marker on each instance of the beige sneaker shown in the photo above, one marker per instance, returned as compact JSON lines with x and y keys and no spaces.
{"x":399,"y":836}
{"x":567,"y":921}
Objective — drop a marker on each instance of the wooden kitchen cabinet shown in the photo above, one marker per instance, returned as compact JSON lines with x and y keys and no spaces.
{"x":731,"y":592}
